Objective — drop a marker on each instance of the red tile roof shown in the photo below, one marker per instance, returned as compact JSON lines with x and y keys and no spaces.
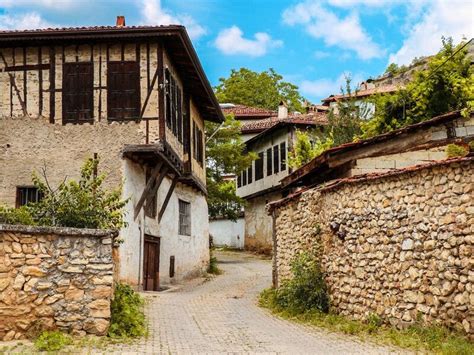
{"x":316,"y":118}
{"x":364,"y":93}
{"x":242,"y":111}
{"x":86,"y":29}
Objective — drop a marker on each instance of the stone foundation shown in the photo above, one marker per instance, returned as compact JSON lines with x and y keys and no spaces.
{"x":54,"y":278}
{"x":399,"y":245}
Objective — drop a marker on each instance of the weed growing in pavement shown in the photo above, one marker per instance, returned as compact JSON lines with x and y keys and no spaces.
{"x":52,"y":341}
{"x":127,"y":316}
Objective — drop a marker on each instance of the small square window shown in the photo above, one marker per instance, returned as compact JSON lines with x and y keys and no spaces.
{"x":184,"y":218}
{"x":26,"y":195}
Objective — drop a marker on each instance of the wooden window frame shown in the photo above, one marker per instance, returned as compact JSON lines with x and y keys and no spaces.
{"x":184,"y":222}
{"x":276,"y":159}
{"x":283,"y":156}
{"x":19,"y":193}
{"x":269,"y":161}
{"x":259,"y":166}
{"x":135,"y":85}
{"x":70,"y":106}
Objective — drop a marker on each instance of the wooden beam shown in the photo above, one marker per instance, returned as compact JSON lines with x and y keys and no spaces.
{"x":150,"y":90}
{"x":26,"y":67}
{"x":155,"y":188}
{"x":168,"y":196}
{"x":161,"y":92}
{"x":52,"y":84}
{"x":148,"y":187}
{"x":15,"y":87}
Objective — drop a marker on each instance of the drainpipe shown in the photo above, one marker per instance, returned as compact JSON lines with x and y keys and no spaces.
{"x":274,"y":258}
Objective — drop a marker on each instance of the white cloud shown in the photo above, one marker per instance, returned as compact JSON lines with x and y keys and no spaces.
{"x":322,"y":88}
{"x":321,"y":54}
{"x":37,"y":3}
{"x":346,"y":33}
{"x":26,"y":21}
{"x":230,"y":41}
{"x":442,"y":18}
{"x":154,"y":14}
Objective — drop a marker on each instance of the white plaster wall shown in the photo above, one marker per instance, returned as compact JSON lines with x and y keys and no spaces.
{"x":228,"y":233}
{"x":191,"y":252}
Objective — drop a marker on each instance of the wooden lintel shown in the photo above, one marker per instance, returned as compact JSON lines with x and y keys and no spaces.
{"x":148,"y":187}
{"x":167,"y":199}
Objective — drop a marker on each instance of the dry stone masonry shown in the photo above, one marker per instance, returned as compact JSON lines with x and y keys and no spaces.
{"x":54,"y":278}
{"x":399,"y":245}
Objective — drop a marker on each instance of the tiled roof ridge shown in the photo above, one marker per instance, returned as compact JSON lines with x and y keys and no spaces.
{"x":88,"y":28}
{"x":311,"y":118}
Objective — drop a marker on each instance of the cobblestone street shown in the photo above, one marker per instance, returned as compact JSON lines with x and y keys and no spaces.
{"x":221,"y":316}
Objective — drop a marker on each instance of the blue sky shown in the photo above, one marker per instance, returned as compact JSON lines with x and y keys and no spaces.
{"x":312,"y":43}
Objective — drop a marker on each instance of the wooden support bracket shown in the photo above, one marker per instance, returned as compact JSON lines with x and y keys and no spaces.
{"x":167,"y":199}
{"x":148,"y":188}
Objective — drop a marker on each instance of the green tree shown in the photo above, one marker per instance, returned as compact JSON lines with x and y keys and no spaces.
{"x":225,"y":152}
{"x":265,"y":90}
{"x":308,"y":145}
{"x":447,"y":84}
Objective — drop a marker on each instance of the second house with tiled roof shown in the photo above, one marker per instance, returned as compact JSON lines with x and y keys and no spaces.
{"x":272,"y":139}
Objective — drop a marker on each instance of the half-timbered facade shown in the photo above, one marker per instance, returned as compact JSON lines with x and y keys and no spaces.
{"x":135,"y":96}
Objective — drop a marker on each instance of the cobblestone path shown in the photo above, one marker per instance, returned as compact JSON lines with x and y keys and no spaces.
{"x":220,"y":316}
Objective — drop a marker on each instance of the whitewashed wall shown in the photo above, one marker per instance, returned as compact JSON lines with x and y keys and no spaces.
{"x":228,"y":233}
{"x":191,"y":252}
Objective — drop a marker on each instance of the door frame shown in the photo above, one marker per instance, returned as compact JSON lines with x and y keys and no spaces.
{"x":156,"y":241}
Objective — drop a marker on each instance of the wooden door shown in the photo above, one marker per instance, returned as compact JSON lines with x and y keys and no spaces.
{"x":151,"y":264}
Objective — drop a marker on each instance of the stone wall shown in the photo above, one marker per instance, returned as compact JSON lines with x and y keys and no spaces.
{"x":399,"y":244}
{"x":54,"y":278}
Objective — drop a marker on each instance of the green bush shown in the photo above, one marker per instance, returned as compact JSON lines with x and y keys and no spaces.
{"x":306,"y":290}
{"x":127,"y":316}
{"x":80,"y":204}
{"x":20,"y":215}
{"x":52,"y":341}
{"x":454,"y":150}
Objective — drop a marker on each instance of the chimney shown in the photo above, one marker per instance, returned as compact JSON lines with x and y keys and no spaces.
{"x":120,"y":21}
{"x":282,"y":110}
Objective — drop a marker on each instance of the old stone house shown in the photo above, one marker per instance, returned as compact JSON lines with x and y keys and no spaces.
{"x":260,"y":183}
{"x":391,"y":220}
{"x":137,"y":97}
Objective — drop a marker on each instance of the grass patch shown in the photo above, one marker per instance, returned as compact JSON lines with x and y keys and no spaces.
{"x":213,"y":267}
{"x":128,"y":318}
{"x":417,"y":337}
{"x":52,"y":341}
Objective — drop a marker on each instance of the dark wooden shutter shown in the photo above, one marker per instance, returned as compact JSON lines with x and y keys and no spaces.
{"x":180,"y":115}
{"x":123,"y":90}
{"x":168,"y":98}
{"x":250,"y":174}
{"x":78,"y":92}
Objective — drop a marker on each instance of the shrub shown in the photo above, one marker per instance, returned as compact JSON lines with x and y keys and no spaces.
{"x":20,"y":215}
{"x":213,"y":268}
{"x":127,"y":316}
{"x":454,"y":150}
{"x":80,"y":204}
{"x":306,"y":290}
{"x":52,"y":341}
